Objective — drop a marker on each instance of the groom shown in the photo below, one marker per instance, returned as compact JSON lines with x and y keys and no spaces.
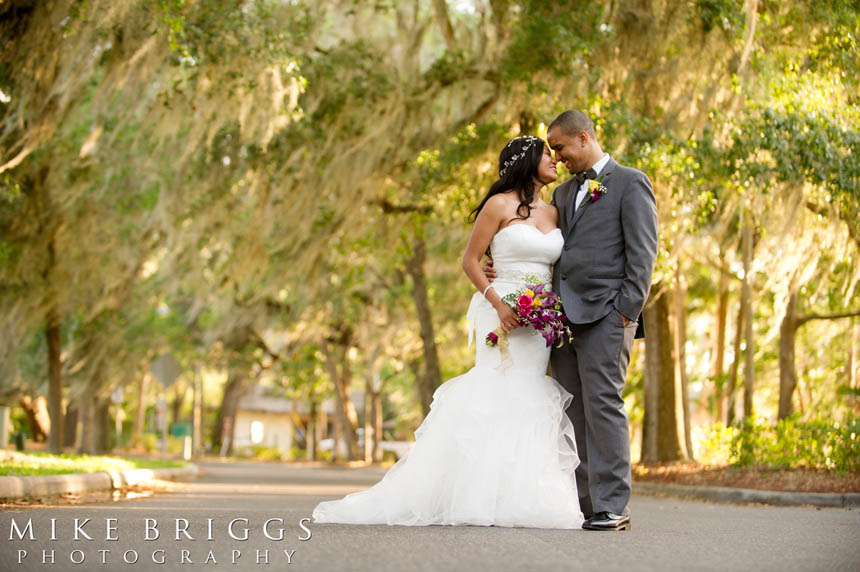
{"x":608,"y":217}
{"x":603,"y":278}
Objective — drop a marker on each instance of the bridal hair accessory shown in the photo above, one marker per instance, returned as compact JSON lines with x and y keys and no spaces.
{"x":529,"y":140}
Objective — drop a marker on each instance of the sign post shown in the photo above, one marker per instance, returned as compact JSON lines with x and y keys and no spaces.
{"x":165,"y":369}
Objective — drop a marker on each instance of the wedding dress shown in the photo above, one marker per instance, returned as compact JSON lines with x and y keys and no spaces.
{"x":496,"y":447}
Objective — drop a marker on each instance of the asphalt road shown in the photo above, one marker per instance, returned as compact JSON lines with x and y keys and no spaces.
{"x":668,"y":534}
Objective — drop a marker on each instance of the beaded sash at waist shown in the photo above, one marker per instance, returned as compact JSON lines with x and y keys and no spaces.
{"x":511,"y":275}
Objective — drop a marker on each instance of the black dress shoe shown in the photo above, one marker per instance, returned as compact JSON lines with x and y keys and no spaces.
{"x":607,"y":521}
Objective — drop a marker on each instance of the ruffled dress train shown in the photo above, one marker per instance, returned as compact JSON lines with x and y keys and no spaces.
{"x":496,"y":447}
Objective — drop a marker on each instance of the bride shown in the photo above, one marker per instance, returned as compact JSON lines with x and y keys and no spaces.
{"x":496,"y":447}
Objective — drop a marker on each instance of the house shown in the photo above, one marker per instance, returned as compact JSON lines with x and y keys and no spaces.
{"x":278,"y":422}
{"x":264,"y":421}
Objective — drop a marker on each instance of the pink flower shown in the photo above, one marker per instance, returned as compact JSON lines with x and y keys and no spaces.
{"x":492,"y":339}
{"x":524,"y":305}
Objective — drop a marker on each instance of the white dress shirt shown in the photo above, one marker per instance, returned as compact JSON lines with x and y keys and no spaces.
{"x":583,"y":188}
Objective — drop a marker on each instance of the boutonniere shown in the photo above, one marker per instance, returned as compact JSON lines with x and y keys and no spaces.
{"x":596,"y":188}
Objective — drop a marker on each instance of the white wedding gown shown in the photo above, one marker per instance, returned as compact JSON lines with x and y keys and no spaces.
{"x":496,"y":447}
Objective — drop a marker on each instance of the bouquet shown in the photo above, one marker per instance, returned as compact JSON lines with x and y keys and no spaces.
{"x":539,"y":307}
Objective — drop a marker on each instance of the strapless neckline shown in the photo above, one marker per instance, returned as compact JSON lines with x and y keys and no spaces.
{"x":530,"y":226}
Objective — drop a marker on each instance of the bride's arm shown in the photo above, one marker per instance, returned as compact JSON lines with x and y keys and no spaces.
{"x":486,"y":226}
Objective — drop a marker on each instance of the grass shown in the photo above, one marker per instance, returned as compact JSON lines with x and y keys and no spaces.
{"x":41,"y":464}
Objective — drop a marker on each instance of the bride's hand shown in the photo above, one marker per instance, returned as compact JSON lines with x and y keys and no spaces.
{"x":508,"y":319}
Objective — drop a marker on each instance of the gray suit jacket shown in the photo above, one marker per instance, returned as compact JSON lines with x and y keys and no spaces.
{"x":610,"y":247}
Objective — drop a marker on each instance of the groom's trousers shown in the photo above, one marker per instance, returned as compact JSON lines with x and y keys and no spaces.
{"x":594,"y":368}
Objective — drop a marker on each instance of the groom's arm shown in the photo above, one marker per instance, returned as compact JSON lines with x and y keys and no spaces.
{"x":639,"y":225}
{"x":555,"y":194}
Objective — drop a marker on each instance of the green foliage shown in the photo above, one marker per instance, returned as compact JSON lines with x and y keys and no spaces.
{"x":557,"y":37}
{"x":726,"y":15}
{"x":816,"y":443}
{"x":717,"y":444}
{"x":49,"y":464}
{"x":148,"y":442}
{"x":297,"y":454}
{"x":263,"y":453}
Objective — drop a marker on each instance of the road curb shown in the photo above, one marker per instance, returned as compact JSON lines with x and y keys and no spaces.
{"x":13,"y":488}
{"x":742,"y":496}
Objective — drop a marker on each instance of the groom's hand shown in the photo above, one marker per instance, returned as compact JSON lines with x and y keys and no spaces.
{"x":488,"y":270}
{"x":625,"y":320}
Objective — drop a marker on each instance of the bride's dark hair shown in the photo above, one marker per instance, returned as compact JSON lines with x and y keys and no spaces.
{"x":518,"y":167}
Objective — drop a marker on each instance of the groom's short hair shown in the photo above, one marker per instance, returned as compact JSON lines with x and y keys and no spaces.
{"x":571,"y":122}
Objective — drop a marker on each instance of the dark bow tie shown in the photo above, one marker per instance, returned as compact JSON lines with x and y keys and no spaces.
{"x":582,"y":176}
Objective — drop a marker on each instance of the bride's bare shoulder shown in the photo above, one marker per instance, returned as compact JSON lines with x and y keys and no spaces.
{"x":506,"y":198}
{"x":501,"y":204}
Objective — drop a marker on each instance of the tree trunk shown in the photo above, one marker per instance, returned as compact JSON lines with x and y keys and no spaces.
{"x":311,"y":432}
{"x":346,"y":409}
{"x":102,"y":427}
{"x":198,"y":420}
{"x":233,"y":392}
{"x":178,"y":400}
{"x":70,"y":419}
{"x":852,"y":358}
{"x":648,"y":452}
{"x":660,"y":436}
{"x":38,"y":419}
{"x":140,"y":415}
{"x":55,"y":376}
{"x":377,"y":426}
{"x":432,"y":375}
{"x":440,"y":8}
{"x":369,"y":436}
{"x":87,"y":443}
{"x":746,"y":302}
{"x":680,"y":349}
{"x":719,"y":351}
{"x":787,"y":368}
{"x":337,"y":452}
{"x":337,"y":363}
{"x":373,"y":408}
{"x":733,"y":373}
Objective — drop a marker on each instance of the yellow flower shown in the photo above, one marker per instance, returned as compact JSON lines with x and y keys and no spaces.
{"x":530,"y":293}
{"x":593,"y":185}
{"x":535,"y":303}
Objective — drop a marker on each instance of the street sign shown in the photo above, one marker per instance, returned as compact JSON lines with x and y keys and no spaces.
{"x":165,"y":369}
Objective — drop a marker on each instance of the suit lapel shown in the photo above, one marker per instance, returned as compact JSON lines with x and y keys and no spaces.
{"x":604,"y":175}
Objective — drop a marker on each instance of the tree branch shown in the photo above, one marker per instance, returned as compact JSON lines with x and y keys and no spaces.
{"x":803,"y":319}
{"x":440,"y":8}
{"x":752,"y":14}
{"x":391,"y":208}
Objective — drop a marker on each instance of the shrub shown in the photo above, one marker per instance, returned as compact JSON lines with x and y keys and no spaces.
{"x":147,"y":442}
{"x":815,"y":443}
{"x":264,"y":453}
{"x":297,"y":453}
{"x":718,"y":443}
